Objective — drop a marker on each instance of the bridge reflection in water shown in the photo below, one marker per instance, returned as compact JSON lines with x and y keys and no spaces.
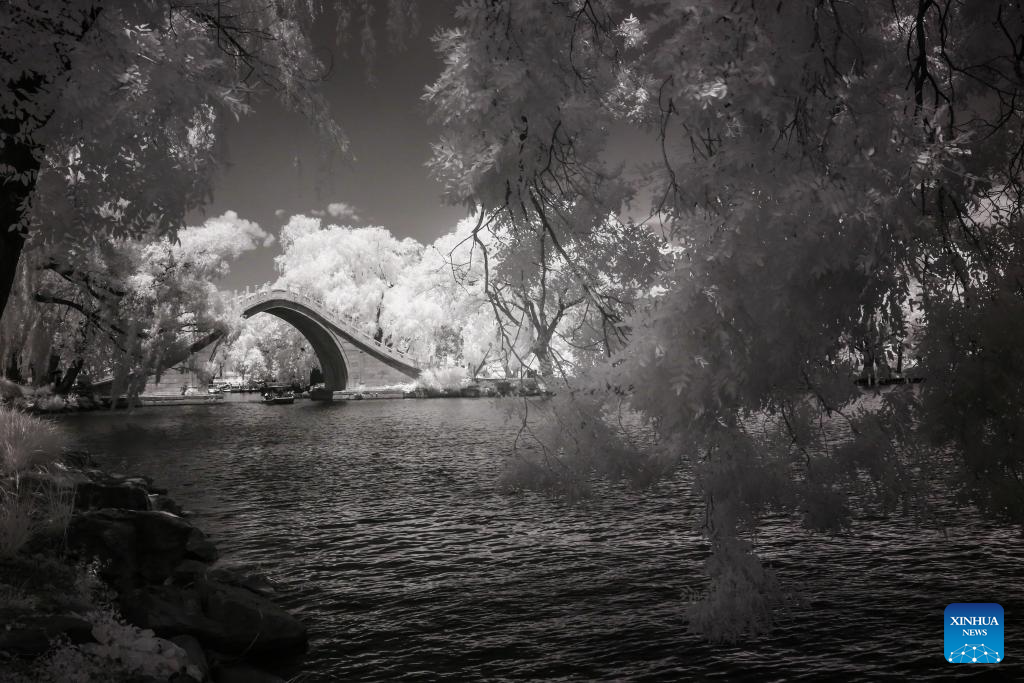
{"x":347,"y":355}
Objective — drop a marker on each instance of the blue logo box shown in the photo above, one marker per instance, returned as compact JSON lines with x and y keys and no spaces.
{"x":973,"y":633}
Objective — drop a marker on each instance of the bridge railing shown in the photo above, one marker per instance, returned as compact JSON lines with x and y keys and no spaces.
{"x":267,"y":291}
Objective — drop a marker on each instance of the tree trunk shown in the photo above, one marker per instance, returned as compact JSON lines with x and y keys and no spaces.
{"x":205,"y":341}
{"x":480,"y":366}
{"x":544,"y":365}
{"x":11,"y":244}
{"x":69,"y":377}
{"x":13,"y":370}
{"x":542,"y":351}
{"x":378,"y":336}
{"x":868,"y":371}
{"x":14,"y":195}
{"x":53,"y":374}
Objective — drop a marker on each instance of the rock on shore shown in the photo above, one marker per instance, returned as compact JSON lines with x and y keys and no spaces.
{"x":218,"y":621}
{"x":136,"y":547}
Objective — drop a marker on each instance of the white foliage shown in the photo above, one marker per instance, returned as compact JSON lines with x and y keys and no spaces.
{"x":632,"y":32}
{"x":414,"y":297}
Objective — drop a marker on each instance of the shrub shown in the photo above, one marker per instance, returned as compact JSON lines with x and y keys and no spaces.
{"x":26,"y":442}
{"x":51,"y":404}
{"x":9,"y":390}
{"x":442,"y":378}
{"x":123,"y":652}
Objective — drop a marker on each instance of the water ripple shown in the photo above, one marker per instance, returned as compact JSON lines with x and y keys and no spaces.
{"x":381,"y":522}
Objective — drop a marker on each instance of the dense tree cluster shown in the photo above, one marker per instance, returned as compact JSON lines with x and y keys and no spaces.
{"x":125,"y":310}
{"x":432,"y":301}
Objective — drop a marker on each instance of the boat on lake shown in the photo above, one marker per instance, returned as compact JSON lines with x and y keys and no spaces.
{"x":272,"y":397}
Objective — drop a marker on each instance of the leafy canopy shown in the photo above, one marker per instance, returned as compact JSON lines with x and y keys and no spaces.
{"x":834,"y":180}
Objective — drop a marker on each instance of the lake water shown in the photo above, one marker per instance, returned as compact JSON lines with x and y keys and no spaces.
{"x":383,"y":524}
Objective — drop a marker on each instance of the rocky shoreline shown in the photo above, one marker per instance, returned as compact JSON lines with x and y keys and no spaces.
{"x":195,"y":621}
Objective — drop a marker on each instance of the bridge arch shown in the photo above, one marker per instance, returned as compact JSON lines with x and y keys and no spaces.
{"x":329,"y":352}
{"x":344,"y":351}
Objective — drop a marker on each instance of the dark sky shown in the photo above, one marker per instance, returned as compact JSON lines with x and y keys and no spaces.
{"x":276,"y":165}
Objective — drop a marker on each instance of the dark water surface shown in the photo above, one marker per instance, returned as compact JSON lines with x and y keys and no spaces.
{"x":382,"y":523}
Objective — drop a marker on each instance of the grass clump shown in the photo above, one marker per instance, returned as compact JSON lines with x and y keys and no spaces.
{"x":26,"y":442}
{"x":42,"y":511}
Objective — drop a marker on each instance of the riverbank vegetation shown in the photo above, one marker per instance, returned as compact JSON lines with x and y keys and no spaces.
{"x":814,"y":193}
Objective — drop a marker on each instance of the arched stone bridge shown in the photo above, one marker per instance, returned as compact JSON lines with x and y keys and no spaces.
{"x":347,"y":355}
